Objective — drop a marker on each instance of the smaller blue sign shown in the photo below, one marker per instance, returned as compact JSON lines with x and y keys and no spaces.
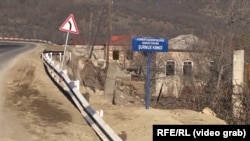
{"x":149,"y":44}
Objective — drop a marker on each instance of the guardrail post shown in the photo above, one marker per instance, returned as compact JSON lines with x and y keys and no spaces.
{"x":52,"y":63}
{"x":46,"y":55}
{"x":52,"y":74}
{"x":100,"y":113}
{"x":51,"y":56}
{"x":65,"y":72}
{"x":60,"y":54}
{"x":77,"y":84}
{"x":57,"y":66}
{"x":48,"y":58}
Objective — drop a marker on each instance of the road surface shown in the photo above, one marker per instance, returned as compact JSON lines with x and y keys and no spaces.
{"x":9,"y":50}
{"x":10,"y":130}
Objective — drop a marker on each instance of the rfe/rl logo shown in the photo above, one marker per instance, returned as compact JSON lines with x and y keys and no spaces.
{"x":173,"y":132}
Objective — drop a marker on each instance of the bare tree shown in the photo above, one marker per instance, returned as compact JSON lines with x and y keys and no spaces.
{"x":238,"y":12}
{"x":218,"y":53}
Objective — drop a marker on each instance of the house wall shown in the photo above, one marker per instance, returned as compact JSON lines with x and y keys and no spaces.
{"x":100,"y":53}
{"x":174,"y":84}
{"x":122,"y":61}
{"x":81,"y":50}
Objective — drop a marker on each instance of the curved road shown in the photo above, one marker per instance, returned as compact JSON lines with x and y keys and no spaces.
{"x":9,"y":50}
{"x":9,"y":126}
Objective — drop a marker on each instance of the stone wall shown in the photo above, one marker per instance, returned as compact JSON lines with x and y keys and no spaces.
{"x":174,"y":84}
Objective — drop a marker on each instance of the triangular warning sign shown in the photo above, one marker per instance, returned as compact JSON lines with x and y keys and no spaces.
{"x":69,"y":25}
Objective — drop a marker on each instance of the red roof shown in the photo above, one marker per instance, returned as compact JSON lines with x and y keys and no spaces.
{"x":121,"y":40}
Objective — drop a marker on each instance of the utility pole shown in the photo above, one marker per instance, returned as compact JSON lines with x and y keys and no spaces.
{"x":90,"y":29}
{"x":109,"y":30}
{"x":98,"y":26}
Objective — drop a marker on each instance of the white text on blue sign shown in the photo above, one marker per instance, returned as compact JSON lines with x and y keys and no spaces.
{"x":149,"y":44}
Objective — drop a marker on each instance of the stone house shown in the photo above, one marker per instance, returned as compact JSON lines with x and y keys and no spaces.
{"x":120,"y":51}
{"x":181,"y":66}
{"x":178,"y":67}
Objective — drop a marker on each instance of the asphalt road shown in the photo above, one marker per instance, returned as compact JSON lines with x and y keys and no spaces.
{"x":9,"y":50}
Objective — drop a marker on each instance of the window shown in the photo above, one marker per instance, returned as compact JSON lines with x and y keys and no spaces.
{"x":170,"y":67}
{"x":187,"y":68}
{"x":116,"y":55}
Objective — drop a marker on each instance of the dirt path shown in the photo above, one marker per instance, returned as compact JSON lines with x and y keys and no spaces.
{"x":137,"y":122}
{"x":41,"y":112}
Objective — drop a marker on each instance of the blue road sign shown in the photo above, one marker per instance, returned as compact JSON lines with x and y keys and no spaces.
{"x":149,"y":44}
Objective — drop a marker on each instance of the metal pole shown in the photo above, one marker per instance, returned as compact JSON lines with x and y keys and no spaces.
{"x":66,"y":42}
{"x":148,"y":81}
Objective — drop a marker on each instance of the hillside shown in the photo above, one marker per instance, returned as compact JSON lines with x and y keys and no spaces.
{"x":166,"y":18}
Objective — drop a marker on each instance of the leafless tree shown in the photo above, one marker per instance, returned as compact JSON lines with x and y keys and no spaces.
{"x":214,"y":72}
{"x":218,"y":52}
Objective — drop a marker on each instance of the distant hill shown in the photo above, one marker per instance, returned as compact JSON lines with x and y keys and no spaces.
{"x":166,"y":18}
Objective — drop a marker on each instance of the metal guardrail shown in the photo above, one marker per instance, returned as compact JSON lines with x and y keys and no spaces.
{"x":23,"y":39}
{"x":96,"y":122}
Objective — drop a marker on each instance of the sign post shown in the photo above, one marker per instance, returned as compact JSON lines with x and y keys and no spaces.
{"x":149,"y":45}
{"x":69,"y":26}
{"x":148,"y":80}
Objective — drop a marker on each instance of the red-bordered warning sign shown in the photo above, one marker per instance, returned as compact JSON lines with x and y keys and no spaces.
{"x":69,"y":25}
